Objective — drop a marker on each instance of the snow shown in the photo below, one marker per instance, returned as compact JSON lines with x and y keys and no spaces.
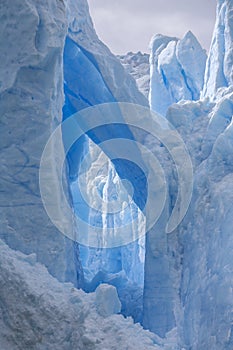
{"x":137,"y":64}
{"x":42,"y":313}
{"x":177,"y":70}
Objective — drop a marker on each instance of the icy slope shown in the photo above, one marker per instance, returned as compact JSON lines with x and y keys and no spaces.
{"x":137,"y":64}
{"x":219,"y":72}
{"x":177,"y":71}
{"x":32,"y":36}
{"x":50,"y":315}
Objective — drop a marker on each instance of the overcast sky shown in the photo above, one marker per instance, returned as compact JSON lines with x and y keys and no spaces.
{"x":128,"y":25}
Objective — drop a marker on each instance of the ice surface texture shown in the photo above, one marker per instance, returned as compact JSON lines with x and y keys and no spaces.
{"x":188,"y":274}
{"x":93,"y":75}
{"x":219,"y":71}
{"x":177,"y":71}
{"x":196,"y":294}
{"x":31,"y":98}
{"x":137,"y":64}
{"x":107,"y":301}
{"x":37,"y":312}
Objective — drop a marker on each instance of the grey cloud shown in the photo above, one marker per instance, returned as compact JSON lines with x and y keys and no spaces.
{"x":199,"y":7}
{"x":128,"y":25}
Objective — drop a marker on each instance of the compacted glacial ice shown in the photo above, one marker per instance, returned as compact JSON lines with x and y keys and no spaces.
{"x":93,"y":75}
{"x":177,"y":70}
{"x":31,"y":98}
{"x":48,"y":48}
{"x":219,"y":65}
{"x":35,"y":58}
{"x":196,"y":295}
{"x":53,"y":41}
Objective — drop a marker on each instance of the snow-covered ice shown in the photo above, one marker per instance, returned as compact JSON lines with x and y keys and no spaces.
{"x":137,"y":64}
{"x":42,"y":313}
{"x":106,"y":300}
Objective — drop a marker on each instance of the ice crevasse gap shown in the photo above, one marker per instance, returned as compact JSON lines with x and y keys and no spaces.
{"x":99,"y":84}
{"x":93,"y":75}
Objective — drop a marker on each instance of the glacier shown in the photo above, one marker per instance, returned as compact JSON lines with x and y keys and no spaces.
{"x":49,"y":314}
{"x":37,"y":97}
{"x":218,"y":73}
{"x":137,"y":65}
{"x":31,"y":91}
{"x":178,"y":285}
{"x":93,"y":75}
{"x":177,"y":70}
{"x":188,"y":272}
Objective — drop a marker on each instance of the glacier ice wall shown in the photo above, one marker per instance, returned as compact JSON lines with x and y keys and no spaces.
{"x":188,"y":273}
{"x":206,"y":239}
{"x":31,"y":90}
{"x":48,"y":35}
{"x":80,"y":29}
{"x":177,"y":71}
{"x":219,"y":72}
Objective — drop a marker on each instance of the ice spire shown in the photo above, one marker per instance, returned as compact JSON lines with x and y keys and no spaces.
{"x":219,"y":73}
